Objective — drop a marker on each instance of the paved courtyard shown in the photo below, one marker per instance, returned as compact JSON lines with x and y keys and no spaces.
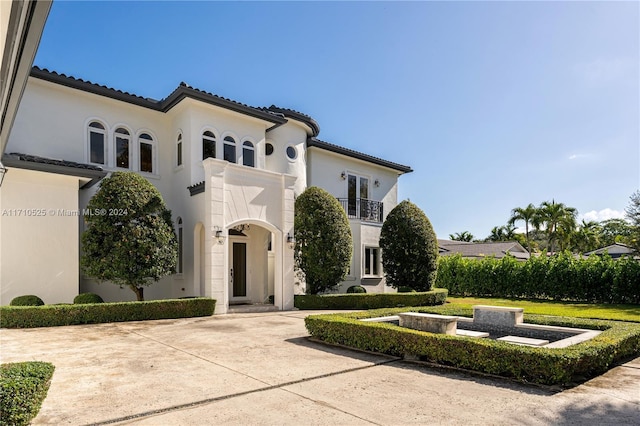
{"x":260,"y":368}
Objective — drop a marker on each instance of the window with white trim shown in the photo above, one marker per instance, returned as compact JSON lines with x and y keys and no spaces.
{"x":97,"y":143}
{"x":248,"y":154}
{"x":179,"y":150}
{"x":208,"y":145}
{"x":122,"y":140}
{"x":146,"y":146}
{"x":229,"y":149}
{"x":371,"y":262}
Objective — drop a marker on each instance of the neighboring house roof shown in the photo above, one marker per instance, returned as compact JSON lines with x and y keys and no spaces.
{"x":49,"y":165}
{"x":615,"y":250}
{"x":314,"y":142}
{"x":480,"y":250}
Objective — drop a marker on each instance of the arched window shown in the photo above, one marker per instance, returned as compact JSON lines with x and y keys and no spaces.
{"x":179,"y":150}
{"x":123,"y":147}
{"x":208,"y":145}
{"x":229,"y":149}
{"x":248,"y":154}
{"x":146,"y":144}
{"x":180,"y":246}
{"x":97,"y":145}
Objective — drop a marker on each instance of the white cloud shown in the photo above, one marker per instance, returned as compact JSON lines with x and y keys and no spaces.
{"x":603,"y":214}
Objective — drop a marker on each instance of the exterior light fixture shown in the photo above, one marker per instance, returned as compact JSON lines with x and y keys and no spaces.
{"x":219,"y":235}
{"x":3,"y":172}
{"x":343,"y":175}
{"x":376,"y":183}
{"x":291,"y":241}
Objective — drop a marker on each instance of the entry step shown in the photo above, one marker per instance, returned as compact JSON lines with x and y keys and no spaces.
{"x":526,"y":341}
{"x":470,"y":333}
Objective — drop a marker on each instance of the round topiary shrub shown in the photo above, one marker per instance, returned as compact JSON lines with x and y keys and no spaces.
{"x":28,"y":300}
{"x":405,"y":289}
{"x":356,"y":289}
{"x":410,"y":248}
{"x":84,"y":298}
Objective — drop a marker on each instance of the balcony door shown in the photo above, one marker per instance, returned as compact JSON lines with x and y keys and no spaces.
{"x":358,"y":195}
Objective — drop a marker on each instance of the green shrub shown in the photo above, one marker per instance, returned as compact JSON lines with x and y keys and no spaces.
{"x":356,"y":289}
{"x":409,"y":247}
{"x":370,"y":300}
{"x":324,"y":244}
{"x":405,"y":289}
{"x":84,"y":298}
{"x":135,"y":244}
{"x":55,"y":315}
{"x":28,"y":300}
{"x":23,"y":387}
{"x":618,"y":341}
{"x":597,"y":279}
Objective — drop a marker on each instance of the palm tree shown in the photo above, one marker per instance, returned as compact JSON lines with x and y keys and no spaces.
{"x":587,"y":236}
{"x":559,"y":221}
{"x":528,"y":215}
{"x":462,"y":236}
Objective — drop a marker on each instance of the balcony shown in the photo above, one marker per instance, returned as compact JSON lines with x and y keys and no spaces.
{"x":363,"y":209}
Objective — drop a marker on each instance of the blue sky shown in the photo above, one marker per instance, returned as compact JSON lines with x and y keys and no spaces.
{"x":493,"y":104}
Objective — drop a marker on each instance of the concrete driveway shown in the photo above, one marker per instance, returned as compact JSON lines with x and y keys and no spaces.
{"x":260,"y":369}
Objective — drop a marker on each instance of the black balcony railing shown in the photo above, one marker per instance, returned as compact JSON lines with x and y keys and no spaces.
{"x":363,"y":209}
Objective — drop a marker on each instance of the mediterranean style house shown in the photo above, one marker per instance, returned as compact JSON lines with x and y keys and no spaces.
{"x":229,"y":172}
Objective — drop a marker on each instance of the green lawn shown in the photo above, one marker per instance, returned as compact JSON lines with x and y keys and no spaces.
{"x":578,"y":310}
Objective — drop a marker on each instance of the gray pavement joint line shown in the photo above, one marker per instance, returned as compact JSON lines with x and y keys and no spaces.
{"x":188,"y":405}
{"x":326,"y":404}
{"x":630,"y":366}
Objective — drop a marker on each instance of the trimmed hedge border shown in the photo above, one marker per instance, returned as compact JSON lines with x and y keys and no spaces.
{"x":549,"y":366}
{"x":23,"y":387}
{"x":57,"y":315}
{"x":370,"y":300}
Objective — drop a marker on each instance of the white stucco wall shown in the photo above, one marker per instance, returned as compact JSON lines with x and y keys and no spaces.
{"x":39,"y":242}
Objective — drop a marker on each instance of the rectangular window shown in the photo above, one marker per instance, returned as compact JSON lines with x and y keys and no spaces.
{"x":180,"y":249}
{"x":146,"y":157}
{"x":208,"y":148}
{"x":248,"y":157}
{"x":371,"y":261}
{"x":122,"y":152}
{"x":230,"y":153}
{"x":96,"y":146}
{"x":179,"y":154}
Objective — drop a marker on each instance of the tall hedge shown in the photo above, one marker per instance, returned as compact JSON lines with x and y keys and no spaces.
{"x":324,"y":244}
{"x":560,"y":277}
{"x":409,"y":248}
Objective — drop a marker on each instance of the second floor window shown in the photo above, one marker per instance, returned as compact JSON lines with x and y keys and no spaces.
{"x":229,"y":149}
{"x":97,"y":143}
{"x":146,"y":153}
{"x":179,"y":150}
{"x":357,"y":190}
{"x":208,"y":145}
{"x":123,"y":147}
{"x":248,"y":154}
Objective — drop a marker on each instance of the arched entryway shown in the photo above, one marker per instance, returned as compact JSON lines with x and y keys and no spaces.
{"x":250,"y":278}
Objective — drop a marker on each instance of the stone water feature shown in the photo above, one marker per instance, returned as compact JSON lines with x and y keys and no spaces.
{"x":494,"y":322}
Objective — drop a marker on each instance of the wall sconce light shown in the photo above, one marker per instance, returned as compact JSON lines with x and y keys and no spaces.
{"x":376,"y":183}
{"x":291,"y":242}
{"x":3,"y":171}
{"x":343,"y":175}
{"x":219,"y":235}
